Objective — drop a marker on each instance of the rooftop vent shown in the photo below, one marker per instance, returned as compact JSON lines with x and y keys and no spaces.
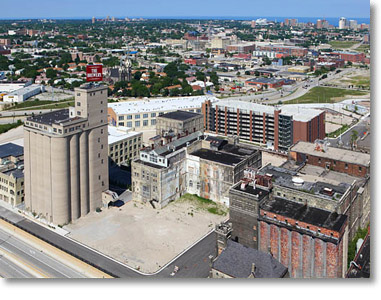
{"x":297,"y":181}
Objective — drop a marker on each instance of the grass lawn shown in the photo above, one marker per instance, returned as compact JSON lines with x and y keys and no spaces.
{"x":338,"y":131}
{"x":5,"y":127}
{"x":325,"y":95}
{"x":363,"y":48}
{"x":55,"y":105}
{"x":205,"y":204}
{"x":37,"y":103}
{"x":342,"y":44}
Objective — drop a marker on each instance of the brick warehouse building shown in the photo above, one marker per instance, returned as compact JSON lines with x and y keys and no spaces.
{"x":310,"y":241}
{"x":352,"y":56}
{"x":277,"y":127}
{"x":335,"y":159}
{"x":288,"y":50}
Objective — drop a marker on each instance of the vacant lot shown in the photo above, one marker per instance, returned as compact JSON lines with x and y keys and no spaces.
{"x":146,"y":238}
{"x":342,"y":44}
{"x":358,"y":81}
{"x":325,"y":95}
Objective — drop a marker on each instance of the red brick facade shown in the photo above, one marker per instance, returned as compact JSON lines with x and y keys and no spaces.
{"x":305,"y":255}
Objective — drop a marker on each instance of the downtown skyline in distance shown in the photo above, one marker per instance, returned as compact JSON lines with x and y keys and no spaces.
{"x":354,"y":9}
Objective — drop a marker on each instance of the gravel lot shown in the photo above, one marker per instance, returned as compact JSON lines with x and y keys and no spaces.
{"x":142,"y":237}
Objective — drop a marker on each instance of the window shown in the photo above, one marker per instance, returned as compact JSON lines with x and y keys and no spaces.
{"x":145,"y":123}
{"x":137,"y":123}
{"x":129,"y":117}
{"x":145,"y":116}
{"x":101,"y":131}
{"x":153,"y":122}
{"x":129,"y":124}
{"x":360,"y":169}
{"x":153,"y":115}
{"x":78,"y":103}
{"x":346,"y":166}
{"x":121,"y":118}
{"x":78,"y":113}
{"x":121,"y":123}
{"x":137,"y":116}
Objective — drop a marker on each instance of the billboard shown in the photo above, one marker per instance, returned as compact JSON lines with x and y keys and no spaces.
{"x":94,"y":73}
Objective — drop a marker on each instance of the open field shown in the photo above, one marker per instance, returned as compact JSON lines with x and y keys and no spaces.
{"x":342,"y":44}
{"x":363,"y":48}
{"x":146,"y":238}
{"x":325,"y":95}
{"x":358,"y":81}
{"x":35,"y":104}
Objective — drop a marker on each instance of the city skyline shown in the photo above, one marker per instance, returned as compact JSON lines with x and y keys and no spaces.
{"x":171,"y":8}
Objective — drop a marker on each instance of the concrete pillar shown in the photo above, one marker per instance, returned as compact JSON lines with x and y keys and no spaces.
{"x":61,"y":180}
{"x":74,"y":178}
{"x":27,"y":167}
{"x":84,"y":171}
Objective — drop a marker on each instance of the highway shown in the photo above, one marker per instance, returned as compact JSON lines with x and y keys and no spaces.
{"x":19,"y":259}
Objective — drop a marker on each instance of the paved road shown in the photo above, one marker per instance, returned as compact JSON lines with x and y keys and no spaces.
{"x":194,"y":263}
{"x":27,"y":261}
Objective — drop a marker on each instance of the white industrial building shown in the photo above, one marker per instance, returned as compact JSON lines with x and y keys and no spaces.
{"x":23,"y":94}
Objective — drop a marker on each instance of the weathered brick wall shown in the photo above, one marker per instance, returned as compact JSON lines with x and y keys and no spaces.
{"x":304,"y":255}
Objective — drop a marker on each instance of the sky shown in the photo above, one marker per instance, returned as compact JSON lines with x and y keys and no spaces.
{"x":11,"y":9}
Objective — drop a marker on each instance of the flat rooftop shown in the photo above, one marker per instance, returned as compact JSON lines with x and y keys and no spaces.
{"x":54,"y":117}
{"x":308,"y":183}
{"x":25,"y":90}
{"x":257,"y":192}
{"x":303,"y":213}
{"x":11,"y":149}
{"x":116,"y":134}
{"x":264,"y":80}
{"x":302,"y":114}
{"x":218,"y":156}
{"x":333,"y":153}
{"x":180,"y":115}
{"x":159,"y":104}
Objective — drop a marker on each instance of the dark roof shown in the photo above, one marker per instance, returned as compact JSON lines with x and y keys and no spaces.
{"x":265,"y":80}
{"x":218,"y":156}
{"x":238,"y":150}
{"x":307,"y":214}
{"x":49,"y":118}
{"x":11,"y":149}
{"x":236,"y":261}
{"x":17,"y":173}
{"x":258,"y":192}
{"x":180,"y":115}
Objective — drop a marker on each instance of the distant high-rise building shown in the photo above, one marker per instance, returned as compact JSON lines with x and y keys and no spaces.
{"x":293,"y":22}
{"x":253,"y":24}
{"x":352,"y":24}
{"x":93,"y":20}
{"x":343,"y":23}
{"x":66,"y":159}
{"x":319,"y":24}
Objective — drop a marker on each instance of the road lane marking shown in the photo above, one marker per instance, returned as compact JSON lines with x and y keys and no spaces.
{"x":23,"y":264}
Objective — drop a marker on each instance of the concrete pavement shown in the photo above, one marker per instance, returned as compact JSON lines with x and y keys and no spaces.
{"x":194,"y":263}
